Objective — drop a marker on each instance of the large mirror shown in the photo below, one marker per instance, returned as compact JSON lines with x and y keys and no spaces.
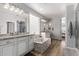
{"x":12,"y":19}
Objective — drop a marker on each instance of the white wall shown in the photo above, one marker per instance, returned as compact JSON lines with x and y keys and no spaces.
{"x":77,"y":26}
{"x":70,"y":16}
{"x":56,"y":24}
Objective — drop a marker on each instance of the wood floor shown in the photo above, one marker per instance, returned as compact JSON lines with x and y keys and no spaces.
{"x":55,"y":49}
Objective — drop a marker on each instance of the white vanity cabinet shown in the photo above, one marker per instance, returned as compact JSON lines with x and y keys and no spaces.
{"x":22,"y":45}
{"x":31,"y":42}
{"x":8,"y":50}
{"x":16,"y":45}
{"x":8,"y":47}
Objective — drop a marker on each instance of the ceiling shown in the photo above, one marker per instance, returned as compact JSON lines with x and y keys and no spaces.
{"x":49,"y":10}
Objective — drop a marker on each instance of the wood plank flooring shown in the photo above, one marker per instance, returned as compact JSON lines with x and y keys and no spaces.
{"x":55,"y":49}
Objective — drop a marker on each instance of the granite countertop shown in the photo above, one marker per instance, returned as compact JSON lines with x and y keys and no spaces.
{"x":4,"y":37}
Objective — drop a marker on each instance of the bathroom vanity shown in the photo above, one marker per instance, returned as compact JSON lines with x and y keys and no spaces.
{"x":16,"y":45}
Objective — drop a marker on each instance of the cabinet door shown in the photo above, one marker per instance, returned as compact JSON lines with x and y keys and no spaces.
{"x":22,"y":47}
{"x":8,"y":50}
{"x":0,"y":51}
{"x":31,"y":42}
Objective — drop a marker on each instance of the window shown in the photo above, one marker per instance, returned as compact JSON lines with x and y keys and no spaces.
{"x":34,"y":24}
